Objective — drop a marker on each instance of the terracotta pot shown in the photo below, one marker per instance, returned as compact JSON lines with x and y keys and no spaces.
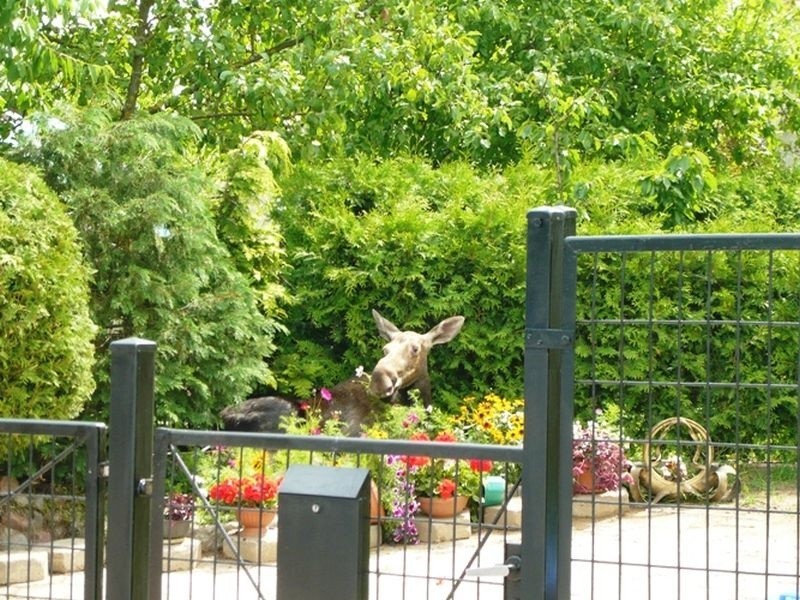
{"x":587,"y":482}
{"x":254,"y":521}
{"x":442,"y":507}
{"x":375,"y":508}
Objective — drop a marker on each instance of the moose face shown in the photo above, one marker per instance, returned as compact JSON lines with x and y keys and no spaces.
{"x":405,"y":358}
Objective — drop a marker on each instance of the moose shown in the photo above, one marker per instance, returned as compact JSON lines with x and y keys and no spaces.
{"x":403,"y":367}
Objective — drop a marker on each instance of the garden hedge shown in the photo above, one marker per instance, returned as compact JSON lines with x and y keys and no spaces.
{"x":420,"y":244}
{"x":46,"y":334}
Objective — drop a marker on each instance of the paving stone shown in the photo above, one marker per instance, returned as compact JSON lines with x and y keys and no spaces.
{"x":180,"y":554}
{"x":512,"y":519}
{"x":443,"y":530}
{"x":19,"y":566}
{"x":600,"y":506}
{"x":375,"y":536}
{"x":259,"y":550}
{"x":66,"y":555}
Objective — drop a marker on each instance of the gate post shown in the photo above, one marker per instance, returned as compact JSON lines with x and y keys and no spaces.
{"x":130,"y":467}
{"x":547,"y":466}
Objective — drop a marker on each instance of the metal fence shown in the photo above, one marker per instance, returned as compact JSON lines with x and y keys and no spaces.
{"x":436,"y":565}
{"x":682,"y":350}
{"x":689,"y":345}
{"x":52,"y":517}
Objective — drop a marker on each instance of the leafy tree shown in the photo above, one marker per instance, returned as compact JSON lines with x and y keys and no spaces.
{"x":491,"y":82}
{"x":243,"y":214}
{"x":142,"y":196}
{"x":46,"y":352}
{"x":38,"y":61}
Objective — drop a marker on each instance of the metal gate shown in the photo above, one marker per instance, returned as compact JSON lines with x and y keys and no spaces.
{"x":49,"y":526}
{"x":690,"y":344}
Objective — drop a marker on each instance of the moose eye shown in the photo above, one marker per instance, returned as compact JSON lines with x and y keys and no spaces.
{"x":414,"y":349}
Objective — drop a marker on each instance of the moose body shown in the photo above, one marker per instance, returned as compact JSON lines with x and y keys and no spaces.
{"x":403,"y":367}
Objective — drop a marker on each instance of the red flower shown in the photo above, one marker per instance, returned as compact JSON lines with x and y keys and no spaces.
{"x":224,"y":492}
{"x":247,"y":491}
{"x":417,"y":461}
{"x":480,"y":465}
{"x":447,"y":488}
{"x":445,"y":436}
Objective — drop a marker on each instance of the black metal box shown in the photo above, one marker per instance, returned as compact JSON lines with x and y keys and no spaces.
{"x":323,"y":533}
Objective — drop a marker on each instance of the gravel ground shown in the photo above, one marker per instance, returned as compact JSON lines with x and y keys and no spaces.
{"x":663,"y":552}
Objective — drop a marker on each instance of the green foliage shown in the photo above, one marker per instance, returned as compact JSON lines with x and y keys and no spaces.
{"x":142,"y":200}
{"x":46,"y":333}
{"x":37,"y":64}
{"x":703,"y":333}
{"x":681,"y":186}
{"x":489,"y":82}
{"x":242,"y":214}
{"x":418,"y":245}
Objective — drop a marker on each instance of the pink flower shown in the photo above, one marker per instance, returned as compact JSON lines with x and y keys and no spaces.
{"x":326,"y":395}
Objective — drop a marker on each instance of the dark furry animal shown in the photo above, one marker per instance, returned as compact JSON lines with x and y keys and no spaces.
{"x":257,"y":414}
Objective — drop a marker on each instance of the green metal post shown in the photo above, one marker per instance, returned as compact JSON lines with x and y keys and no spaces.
{"x":130,"y":463}
{"x":546,"y":475}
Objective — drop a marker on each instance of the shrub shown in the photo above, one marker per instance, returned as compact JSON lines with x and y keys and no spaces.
{"x":46,"y":334}
{"x":419,"y":244}
{"x":416,"y":243}
{"x":143,"y":200}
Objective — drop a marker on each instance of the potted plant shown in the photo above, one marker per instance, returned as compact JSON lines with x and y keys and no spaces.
{"x":598,"y":463}
{"x":178,"y":514}
{"x":254,"y":497}
{"x":409,"y":484}
{"x":443,"y":486}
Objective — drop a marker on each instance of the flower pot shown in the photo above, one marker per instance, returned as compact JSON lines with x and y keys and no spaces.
{"x":254,"y":521}
{"x":586,"y":482}
{"x":375,"y":508}
{"x":442,"y":507}
{"x":494,"y":490}
{"x":176,"y":529}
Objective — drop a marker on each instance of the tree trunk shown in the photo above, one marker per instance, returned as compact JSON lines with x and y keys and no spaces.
{"x":140,"y":39}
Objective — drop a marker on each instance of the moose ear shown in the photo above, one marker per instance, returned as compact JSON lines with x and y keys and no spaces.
{"x":386,"y":328}
{"x":446,"y":330}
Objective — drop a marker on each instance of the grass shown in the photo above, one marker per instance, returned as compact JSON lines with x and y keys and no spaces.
{"x":778,"y":482}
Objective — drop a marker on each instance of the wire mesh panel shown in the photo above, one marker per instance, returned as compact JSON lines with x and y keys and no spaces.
{"x":416,"y":550}
{"x":686,"y":409}
{"x":51,"y":510}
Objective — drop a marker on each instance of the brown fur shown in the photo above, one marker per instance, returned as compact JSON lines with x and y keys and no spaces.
{"x":404,"y":366}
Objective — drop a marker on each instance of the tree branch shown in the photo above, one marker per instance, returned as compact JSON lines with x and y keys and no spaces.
{"x":258,"y":56}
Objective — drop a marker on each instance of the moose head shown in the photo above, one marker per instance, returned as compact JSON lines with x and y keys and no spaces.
{"x":404,"y":366}
{"x":405,"y":358}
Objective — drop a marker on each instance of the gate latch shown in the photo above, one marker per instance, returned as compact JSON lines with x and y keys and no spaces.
{"x":511,"y":570}
{"x":512,"y":565}
{"x":144,"y":487}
